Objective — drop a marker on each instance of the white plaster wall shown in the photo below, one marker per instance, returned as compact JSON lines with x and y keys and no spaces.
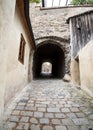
{"x":86,"y":68}
{"x":17,"y":73}
{"x":6,"y":16}
{"x":75,"y":72}
{"x":13,"y":74}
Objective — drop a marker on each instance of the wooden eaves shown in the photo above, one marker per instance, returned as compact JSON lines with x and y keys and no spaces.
{"x":78,"y":15}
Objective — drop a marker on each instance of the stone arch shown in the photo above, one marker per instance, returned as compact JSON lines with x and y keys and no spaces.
{"x":54,"y":39}
{"x":52,"y":51}
{"x":64,"y":44}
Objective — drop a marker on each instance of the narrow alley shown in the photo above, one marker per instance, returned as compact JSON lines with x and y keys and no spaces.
{"x":46,"y":66}
{"x":50,"y":105}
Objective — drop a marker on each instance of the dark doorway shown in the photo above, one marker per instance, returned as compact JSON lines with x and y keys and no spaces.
{"x":49,"y":53}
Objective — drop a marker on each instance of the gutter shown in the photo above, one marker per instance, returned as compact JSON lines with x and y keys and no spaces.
{"x":26,"y":11}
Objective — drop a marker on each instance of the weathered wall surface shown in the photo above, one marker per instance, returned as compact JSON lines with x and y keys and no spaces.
{"x":13,"y":74}
{"x":75,"y":72}
{"x":62,"y":43}
{"x":6,"y":14}
{"x":17,"y":73}
{"x":81,"y":31}
{"x":86,"y":68}
{"x":52,"y":22}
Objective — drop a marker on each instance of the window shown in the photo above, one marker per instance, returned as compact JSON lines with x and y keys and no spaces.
{"x":55,"y":3}
{"x":22,"y":49}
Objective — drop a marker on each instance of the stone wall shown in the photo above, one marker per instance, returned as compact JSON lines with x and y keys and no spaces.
{"x":62,"y":43}
{"x":50,"y":24}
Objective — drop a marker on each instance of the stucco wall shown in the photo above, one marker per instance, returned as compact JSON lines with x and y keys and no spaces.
{"x":13,"y":74}
{"x":86,"y":68}
{"x":6,"y":16}
{"x":17,"y":73}
{"x":75,"y":72}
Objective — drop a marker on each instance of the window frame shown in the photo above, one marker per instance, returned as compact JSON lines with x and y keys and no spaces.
{"x":22,"y":49}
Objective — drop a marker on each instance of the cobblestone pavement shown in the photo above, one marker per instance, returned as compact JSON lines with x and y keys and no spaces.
{"x":50,"y":105}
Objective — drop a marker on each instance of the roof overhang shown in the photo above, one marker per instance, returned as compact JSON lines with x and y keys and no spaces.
{"x":78,"y":15}
{"x":23,"y":6}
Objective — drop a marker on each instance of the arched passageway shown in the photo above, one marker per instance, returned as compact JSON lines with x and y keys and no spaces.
{"x":50,"y":53}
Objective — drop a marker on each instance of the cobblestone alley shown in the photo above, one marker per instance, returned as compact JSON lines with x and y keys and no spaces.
{"x":50,"y":105}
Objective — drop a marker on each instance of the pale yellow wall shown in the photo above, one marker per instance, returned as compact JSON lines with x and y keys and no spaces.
{"x":7,"y":8}
{"x":13,"y":74}
{"x":17,"y":73}
{"x":86,"y":68}
{"x":75,"y":72}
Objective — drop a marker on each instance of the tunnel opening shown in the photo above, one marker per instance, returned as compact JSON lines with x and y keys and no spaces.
{"x":46,"y":69}
{"x":51,"y":54}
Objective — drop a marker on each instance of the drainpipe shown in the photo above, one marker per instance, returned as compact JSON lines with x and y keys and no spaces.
{"x":52,"y":2}
{"x":66,"y":2}
{"x":80,"y":2}
{"x":59,"y":2}
{"x":43,"y":3}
